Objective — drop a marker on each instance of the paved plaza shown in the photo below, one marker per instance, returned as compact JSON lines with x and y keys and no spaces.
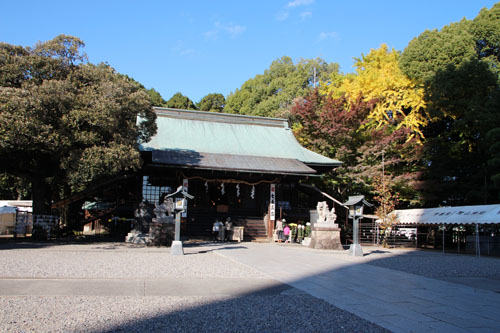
{"x":394,"y":299}
{"x":245,"y":287}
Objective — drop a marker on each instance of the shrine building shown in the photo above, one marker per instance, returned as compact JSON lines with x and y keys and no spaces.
{"x":244,"y":167}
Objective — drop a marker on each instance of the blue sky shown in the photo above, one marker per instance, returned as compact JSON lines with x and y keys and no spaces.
{"x":202,"y":47}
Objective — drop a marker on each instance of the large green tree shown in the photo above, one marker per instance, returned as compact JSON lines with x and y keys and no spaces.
{"x":435,"y":50}
{"x":65,"y":123}
{"x":486,"y":31}
{"x":179,"y":101}
{"x":273,"y":93}
{"x":458,"y":68}
{"x":156,"y":98}
{"x":212,"y":102}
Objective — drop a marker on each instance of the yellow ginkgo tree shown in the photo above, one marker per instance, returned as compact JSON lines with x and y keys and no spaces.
{"x":399,"y":100}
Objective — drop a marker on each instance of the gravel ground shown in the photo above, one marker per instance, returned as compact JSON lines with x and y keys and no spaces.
{"x":117,"y":260}
{"x":290,"y":311}
{"x":298,"y":313}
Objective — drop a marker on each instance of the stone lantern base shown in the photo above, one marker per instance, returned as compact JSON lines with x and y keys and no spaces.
{"x":326,"y":238}
{"x":159,"y":234}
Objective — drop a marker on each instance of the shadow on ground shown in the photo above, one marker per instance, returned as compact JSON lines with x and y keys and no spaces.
{"x":283,"y":308}
{"x":254,"y":313}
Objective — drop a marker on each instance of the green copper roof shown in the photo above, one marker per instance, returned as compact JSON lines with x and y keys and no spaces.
{"x":220,"y":133}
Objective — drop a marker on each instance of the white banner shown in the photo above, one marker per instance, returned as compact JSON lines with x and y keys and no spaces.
{"x":185,"y":186}
{"x":272,"y":202}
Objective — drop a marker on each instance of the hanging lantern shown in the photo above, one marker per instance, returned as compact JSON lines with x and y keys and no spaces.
{"x":237,"y":190}
{"x":252,"y":194}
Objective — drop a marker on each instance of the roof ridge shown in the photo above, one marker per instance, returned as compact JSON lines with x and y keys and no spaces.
{"x":220,"y":117}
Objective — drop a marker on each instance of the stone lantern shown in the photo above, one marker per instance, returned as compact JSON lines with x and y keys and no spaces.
{"x":180,"y":198}
{"x":356,"y":205}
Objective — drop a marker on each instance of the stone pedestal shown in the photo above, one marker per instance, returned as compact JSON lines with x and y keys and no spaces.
{"x":176,"y":249}
{"x":326,"y":238}
{"x":355,"y":250}
{"x":159,"y":234}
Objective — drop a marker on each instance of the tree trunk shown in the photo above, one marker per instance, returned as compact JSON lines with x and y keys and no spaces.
{"x":41,"y":194}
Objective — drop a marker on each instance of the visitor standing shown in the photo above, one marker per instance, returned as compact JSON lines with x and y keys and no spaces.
{"x":216,"y":230}
{"x":286,"y":232}
{"x":229,"y":228}
{"x":279,"y":231}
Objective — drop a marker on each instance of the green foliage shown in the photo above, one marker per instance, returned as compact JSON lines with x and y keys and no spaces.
{"x":14,"y":188}
{"x":486,"y":31}
{"x":65,"y":123}
{"x":300,"y":233}
{"x":493,"y":137}
{"x":435,"y":50}
{"x":179,"y":101}
{"x":212,"y":102}
{"x":307,"y":231}
{"x":272,"y":94}
{"x":458,"y":67}
{"x":454,"y":46}
{"x":156,"y":99}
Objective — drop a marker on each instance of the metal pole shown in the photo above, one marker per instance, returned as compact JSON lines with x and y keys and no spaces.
{"x":383,"y":183}
{"x":443,"y":237}
{"x":374,"y":225}
{"x":393,"y":237}
{"x":478,"y":241}
{"x":378,"y":234}
{"x":416,"y":237}
{"x":488,"y":243}
{"x":478,"y":245}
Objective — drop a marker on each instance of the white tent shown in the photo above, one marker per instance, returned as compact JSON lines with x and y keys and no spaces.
{"x":8,"y":210}
{"x":21,"y":205}
{"x":483,"y":214}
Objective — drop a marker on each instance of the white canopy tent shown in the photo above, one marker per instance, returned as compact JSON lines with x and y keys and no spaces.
{"x":8,"y":210}
{"x":483,"y":214}
{"x":476,"y":215}
{"x":20,"y":205}
{"x":9,"y":213}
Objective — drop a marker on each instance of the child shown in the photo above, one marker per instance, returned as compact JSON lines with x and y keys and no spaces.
{"x":286,"y":232}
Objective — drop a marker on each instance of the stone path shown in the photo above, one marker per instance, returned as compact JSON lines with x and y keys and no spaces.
{"x":395,"y":300}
